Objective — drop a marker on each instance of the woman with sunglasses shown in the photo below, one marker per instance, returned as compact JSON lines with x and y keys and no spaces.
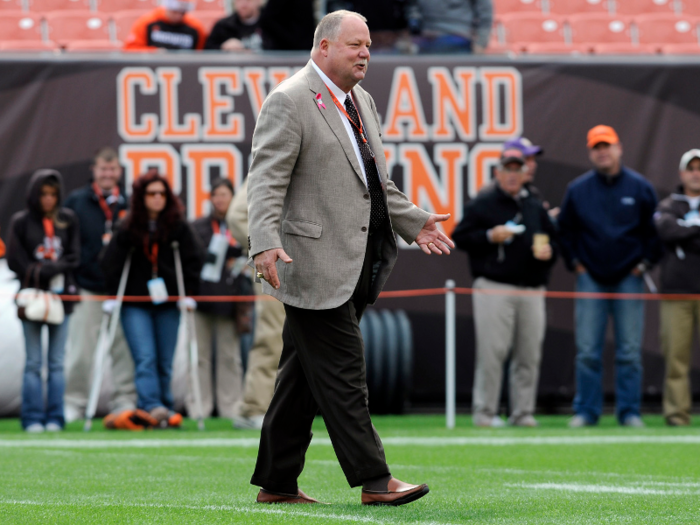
{"x":154,"y":222}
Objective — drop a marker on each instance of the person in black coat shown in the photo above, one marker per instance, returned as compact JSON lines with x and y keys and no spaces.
{"x":510,"y":241}
{"x":154,"y":222}
{"x":215,"y":322}
{"x":239,"y":31}
{"x":44,"y":250}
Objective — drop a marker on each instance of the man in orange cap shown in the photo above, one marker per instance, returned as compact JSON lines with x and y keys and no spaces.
{"x":608,"y":238}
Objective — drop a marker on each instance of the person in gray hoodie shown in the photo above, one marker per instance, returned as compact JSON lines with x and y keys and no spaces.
{"x":43,"y":250}
{"x":678,"y":225}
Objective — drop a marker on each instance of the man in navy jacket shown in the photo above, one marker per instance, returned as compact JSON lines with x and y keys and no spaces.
{"x":98,"y":205}
{"x":608,"y":238}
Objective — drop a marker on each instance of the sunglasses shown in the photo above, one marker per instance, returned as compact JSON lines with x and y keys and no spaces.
{"x":155,"y":193}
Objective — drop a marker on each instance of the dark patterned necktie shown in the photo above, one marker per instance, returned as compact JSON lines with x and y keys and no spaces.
{"x":378,"y":211}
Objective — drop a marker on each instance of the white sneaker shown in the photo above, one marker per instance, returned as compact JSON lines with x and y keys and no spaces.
{"x":71,"y":413}
{"x":494,"y":422}
{"x":579,"y":422}
{"x":53,"y":427}
{"x":248,"y":423}
{"x":525,"y":421}
{"x":35,"y":428}
{"x":633,"y":421}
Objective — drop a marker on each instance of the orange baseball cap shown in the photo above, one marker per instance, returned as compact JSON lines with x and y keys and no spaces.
{"x":600,"y":134}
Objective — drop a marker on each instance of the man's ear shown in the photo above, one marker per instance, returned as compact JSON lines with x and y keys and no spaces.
{"x":323,"y":47}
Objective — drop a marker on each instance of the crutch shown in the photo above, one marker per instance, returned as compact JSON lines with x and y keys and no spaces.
{"x":188,"y":317}
{"x":108,"y":330}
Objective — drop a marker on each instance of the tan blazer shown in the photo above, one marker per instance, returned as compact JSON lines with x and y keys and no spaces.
{"x":306,"y":194}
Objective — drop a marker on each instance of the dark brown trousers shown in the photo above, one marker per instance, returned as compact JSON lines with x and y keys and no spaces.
{"x":322,"y":369}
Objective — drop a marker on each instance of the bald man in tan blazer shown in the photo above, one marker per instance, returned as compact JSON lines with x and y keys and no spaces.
{"x":322,"y":217}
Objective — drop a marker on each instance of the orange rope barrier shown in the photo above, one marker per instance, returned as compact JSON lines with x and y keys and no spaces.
{"x":397,"y":294}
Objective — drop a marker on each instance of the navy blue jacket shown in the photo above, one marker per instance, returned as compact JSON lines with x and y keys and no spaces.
{"x":606,"y":223}
{"x":84,"y":203}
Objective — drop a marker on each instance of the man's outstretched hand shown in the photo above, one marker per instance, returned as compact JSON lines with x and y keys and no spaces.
{"x":431,"y":239}
{"x":265,"y":264}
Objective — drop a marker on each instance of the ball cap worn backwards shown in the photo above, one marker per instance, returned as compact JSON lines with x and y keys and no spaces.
{"x":688,"y":156}
{"x":600,"y":134}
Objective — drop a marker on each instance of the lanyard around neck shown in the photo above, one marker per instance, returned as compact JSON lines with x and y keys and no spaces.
{"x":109,"y":214}
{"x":151,"y":255}
{"x":360,"y":129}
{"x":49,"y":232}
{"x":216,"y":229}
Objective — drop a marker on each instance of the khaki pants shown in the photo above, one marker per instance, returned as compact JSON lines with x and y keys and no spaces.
{"x":227,"y":374}
{"x":263,"y":359}
{"x":505,"y":322}
{"x":678,"y":320}
{"x":83,"y":332}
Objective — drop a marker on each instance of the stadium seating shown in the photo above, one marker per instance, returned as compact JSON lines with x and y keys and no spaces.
{"x":65,"y":26}
{"x":209,"y":18}
{"x":557,"y":48}
{"x":124,"y":21}
{"x":572,"y":7}
{"x":45,"y":6}
{"x":28,"y":45}
{"x":11,"y":5}
{"x":600,"y":28}
{"x":622,"y":48}
{"x":503,"y":7}
{"x":640,"y":7}
{"x":667,"y":29}
{"x":17,"y":25}
{"x":79,"y":46}
{"x":690,"y":7}
{"x":216,"y":5}
{"x":112,"y":6}
{"x":681,"y":49}
{"x":533,"y":27}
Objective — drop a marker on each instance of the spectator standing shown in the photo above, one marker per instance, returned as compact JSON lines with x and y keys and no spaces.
{"x":264,"y":356}
{"x":155,"y":220}
{"x":240,"y":31}
{"x":678,"y":223}
{"x":455,"y":26}
{"x":215,"y":323}
{"x":609,"y":239}
{"x":43,"y":250}
{"x":288,"y":25}
{"x":509,"y":239}
{"x":98,"y":206}
{"x":170,"y":26}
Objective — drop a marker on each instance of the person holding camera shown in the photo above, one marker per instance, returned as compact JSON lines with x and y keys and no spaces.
{"x":216,"y":323}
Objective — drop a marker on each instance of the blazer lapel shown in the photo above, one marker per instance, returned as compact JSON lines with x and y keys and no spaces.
{"x":332,"y":118}
{"x":372,"y":132}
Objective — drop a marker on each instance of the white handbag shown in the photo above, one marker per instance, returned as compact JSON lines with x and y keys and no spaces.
{"x":38,"y":305}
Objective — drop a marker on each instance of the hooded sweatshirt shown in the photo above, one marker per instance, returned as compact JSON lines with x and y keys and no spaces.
{"x":678,"y":223}
{"x":30,"y":248}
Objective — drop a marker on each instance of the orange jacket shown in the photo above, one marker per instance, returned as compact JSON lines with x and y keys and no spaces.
{"x":153,"y":31}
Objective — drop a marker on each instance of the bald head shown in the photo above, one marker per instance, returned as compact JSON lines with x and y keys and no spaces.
{"x":341,"y":48}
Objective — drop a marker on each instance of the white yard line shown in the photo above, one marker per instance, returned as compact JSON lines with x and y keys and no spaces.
{"x":603,"y":489}
{"x":217,"y":508}
{"x":496,"y":441}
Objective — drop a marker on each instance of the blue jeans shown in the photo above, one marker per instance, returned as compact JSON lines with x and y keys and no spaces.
{"x":152,"y":336}
{"x":34,"y":410}
{"x":591,"y":323}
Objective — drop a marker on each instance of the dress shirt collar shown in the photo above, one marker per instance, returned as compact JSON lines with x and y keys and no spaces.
{"x":339,"y":93}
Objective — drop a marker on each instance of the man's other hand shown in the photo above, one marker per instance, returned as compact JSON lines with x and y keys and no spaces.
{"x":542,"y":253}
{"x":431,"y":239}
{"x":500,"y":234}
{"x":265,"y":264}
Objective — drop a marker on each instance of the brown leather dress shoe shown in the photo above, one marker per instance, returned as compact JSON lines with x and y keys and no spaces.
{"x":398,"y":493}
{"x":265,"y":496}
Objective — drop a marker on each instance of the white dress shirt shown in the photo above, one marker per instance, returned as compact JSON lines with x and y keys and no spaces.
{"x":341,"y":96}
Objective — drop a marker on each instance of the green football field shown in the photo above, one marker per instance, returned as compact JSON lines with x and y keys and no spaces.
{"x":549,"y":475}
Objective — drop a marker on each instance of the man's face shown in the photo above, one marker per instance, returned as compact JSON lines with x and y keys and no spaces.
{"x":348,"y":56}
{"x":106,"y":173}
{"x":605,"y":156}
{"x":221,"y":198}
{"x":531,"y":164}
{"x":174,"y":17}
{"x":247,"y":8}
{"x":511,"y":177}
{"x":690,"y":177}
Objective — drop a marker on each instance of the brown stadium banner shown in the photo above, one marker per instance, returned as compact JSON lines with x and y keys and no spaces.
{"x":444,"y":120}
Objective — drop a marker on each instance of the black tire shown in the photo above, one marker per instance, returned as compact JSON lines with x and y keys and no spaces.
{"x":392,"y":358}
{"x":403,"y":387}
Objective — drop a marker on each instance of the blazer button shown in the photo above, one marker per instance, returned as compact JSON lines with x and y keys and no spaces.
{"x":366,"y":196}
{"x":364,"y":229}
